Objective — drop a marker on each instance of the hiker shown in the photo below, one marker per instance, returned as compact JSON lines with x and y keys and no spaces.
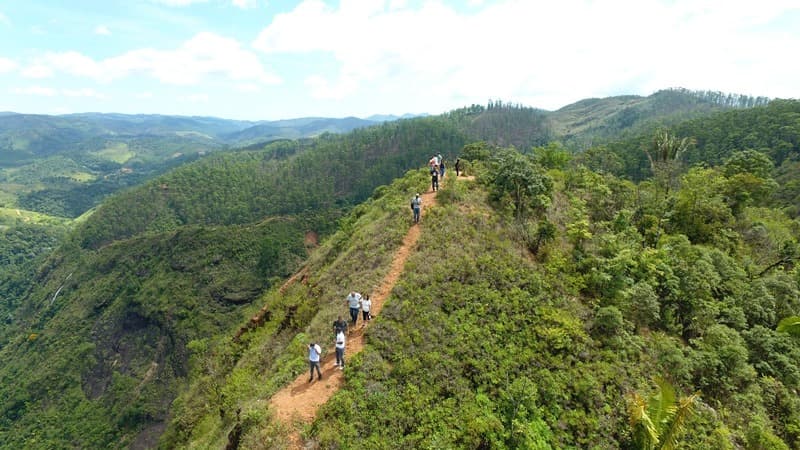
{"x":434,"y":164}
{"x":458,"y":166}
{"x":416,"y":206}
{"x":354,"y":302}
{"x":340,"y":340}
{"x":314,"y":352}
{"x":366,"y":305}
{"x":435,"y":181}
{"x":339,"y":325}
{"x":439,"y":159}
{"x":441,"y":169}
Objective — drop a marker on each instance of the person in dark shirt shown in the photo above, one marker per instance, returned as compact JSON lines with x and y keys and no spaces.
{"x":339,"y":325}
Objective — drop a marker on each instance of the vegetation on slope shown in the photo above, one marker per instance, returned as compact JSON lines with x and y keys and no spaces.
{"x":239,"y":375}
{"x":185,"y":256}
{"x":495,"y":338}
{"x":687,"y":274}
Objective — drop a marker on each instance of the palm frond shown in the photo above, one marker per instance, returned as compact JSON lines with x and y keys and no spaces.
{"x":790,"y":325}
{"x":685,"y":408}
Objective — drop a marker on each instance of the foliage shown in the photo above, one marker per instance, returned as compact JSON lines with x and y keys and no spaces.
{"x":790,"y":325}
{"x":658,"y":420}
{"x":505,"y":330}
{"x":520,"y":180}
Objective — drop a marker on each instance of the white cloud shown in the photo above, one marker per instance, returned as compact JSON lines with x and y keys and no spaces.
{"x":540,"y":53}
{"x":102,"y":30}
{"x":322,"y":89}
{"x":7,"y":65}
{"x":35,"y":90}
{"x":37,"y":71}
{"x":205,"y":54}
{"x":4,"y":19}
{"x":178,"y":2}
{"x":144,"y":95}
{"x":42,"y":91}
{"x":245,"y":4}
{"x":196,"y":98}
{"x":248,"y":88}
{"x":85,"y":92}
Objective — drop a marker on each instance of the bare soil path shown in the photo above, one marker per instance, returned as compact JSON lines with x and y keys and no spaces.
{"x":300,"y":400}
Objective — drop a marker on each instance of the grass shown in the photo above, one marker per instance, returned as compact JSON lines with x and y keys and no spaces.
{"x":117,"y":152}
{"x":12,"y":216}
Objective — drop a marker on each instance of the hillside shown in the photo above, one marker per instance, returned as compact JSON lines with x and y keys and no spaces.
{"x":772,"y":130}
{"x":137,"y":306}
{"x":595,"y":121}
{"x":115,"y":308}
{"x":65,"y":165}
{"x":502,"y":334}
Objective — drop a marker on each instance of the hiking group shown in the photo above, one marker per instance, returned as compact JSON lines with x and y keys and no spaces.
{"x":436,"y":164}
{"x":355,"y":302}
{"x":437,"y":170}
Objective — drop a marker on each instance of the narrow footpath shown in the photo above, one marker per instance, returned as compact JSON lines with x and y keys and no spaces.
{"x":300,"y":400}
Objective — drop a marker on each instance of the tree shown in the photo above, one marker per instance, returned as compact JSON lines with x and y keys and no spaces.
{"x":476,"y":151}
{"x":665,"y":155}
{"x":601,"y":160}
{"x":658,"y":420}
{"x":790,"y":325}
{"x":553,"y":156}
{"x":520,"y":180}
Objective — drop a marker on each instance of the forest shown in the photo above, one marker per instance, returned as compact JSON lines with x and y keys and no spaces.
{"x":548,"y":302}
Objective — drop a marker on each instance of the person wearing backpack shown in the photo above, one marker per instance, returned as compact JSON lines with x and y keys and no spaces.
{"x":340,"y":342}
{"x":339,"y":325}
{"x":416,"y":206}
{"x":435,"y":180}
{"x":314,"y":353}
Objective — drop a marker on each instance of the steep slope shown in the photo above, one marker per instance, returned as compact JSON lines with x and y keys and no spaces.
{"x":129,"y":310}
{"x":300,"y":401}
{"x":114,"y":310}
{"x":241,"y":374}
{"x":483,"y":343}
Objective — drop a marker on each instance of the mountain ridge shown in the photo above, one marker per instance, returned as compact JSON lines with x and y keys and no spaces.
{"x":191,"y":255}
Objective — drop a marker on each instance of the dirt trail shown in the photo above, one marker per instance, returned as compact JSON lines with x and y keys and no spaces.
{"x":300,"y":400}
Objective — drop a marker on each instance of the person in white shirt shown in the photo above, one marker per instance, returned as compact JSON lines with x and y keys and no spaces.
{"x":354,"y":302}
{"x":314,"y":352}
{"x":366,"y":305}
{"x":340,"y":342}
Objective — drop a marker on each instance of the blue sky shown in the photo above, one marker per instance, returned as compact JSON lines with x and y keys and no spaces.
{"x":270,"y":59}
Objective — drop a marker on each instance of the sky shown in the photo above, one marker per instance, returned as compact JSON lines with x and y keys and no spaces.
{"x":281,"y":59}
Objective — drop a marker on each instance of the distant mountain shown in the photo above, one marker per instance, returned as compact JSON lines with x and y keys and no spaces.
{"x":391,"y":117}
{"x":599,"y":119}
{"x":294,"y":129}
{"x":64,"y":165}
